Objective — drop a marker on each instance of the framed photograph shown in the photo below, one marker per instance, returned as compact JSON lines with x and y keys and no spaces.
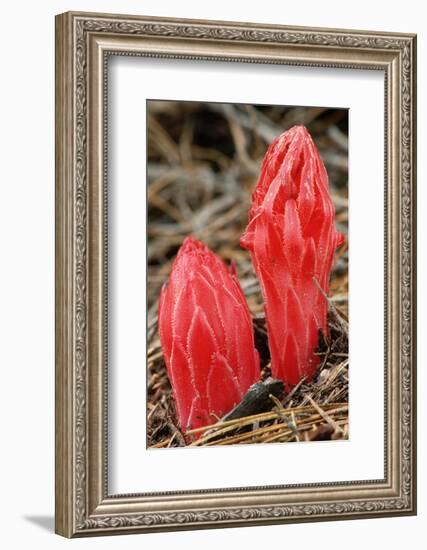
{"x":235,"y":274}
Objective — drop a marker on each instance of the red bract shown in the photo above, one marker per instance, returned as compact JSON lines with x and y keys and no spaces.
{"x":207,"y":336}
{"x":292,"y":239}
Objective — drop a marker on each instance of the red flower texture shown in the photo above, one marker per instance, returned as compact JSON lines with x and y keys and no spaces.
{"x":292,"y":238}
{"x":207,"y":337}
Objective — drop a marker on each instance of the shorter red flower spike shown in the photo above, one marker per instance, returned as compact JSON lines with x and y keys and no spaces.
{"x":207,"y":336}
{"x":292,"y":239}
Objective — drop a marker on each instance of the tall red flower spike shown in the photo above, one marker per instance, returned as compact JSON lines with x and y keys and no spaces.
{"x":207,"y":336}
{"x":292,"y":239}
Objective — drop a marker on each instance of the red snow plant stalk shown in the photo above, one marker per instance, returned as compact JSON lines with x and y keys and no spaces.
{"x":206,"y":335}
{"x":292,"y":239}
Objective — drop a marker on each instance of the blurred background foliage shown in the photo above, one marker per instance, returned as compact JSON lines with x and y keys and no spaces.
{"x":203,"y":163}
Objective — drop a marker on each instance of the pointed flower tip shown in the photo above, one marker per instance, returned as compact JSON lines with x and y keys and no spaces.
{"x":190,"y":244}
{"x":294,"y":134}
{"x":191,"y":256}
{"x":298,"y":129}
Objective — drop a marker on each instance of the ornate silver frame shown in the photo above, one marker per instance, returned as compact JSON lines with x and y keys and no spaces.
{"x":83,"y":42}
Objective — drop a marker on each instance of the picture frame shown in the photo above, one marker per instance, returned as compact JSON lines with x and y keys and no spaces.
{"x":84,"y":42}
